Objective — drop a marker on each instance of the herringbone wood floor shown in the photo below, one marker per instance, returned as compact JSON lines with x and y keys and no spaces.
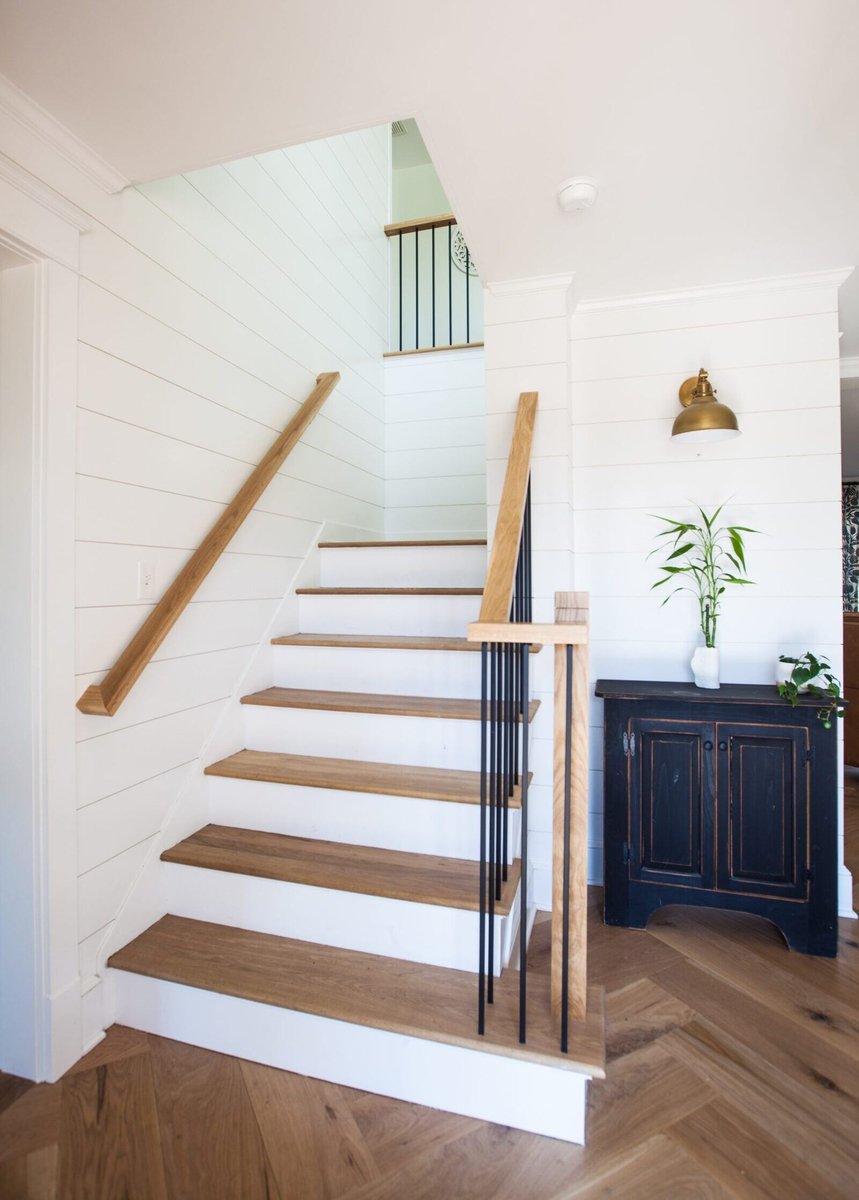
{"x":733,"y":1071}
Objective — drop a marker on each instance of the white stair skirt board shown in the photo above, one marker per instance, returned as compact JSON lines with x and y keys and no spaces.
{"x":440,"y":827}
{"x":425,"y":933}
{"x":431,"y":616}
{"x":395,"y":672}
{"x":367,"y":737}
{"x":491,"y":1087}
{"x":404,"y":566}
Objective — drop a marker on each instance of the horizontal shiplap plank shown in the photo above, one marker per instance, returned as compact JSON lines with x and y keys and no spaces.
{"x":438,"y":434}
{"x":102,"y":633}
{"x":102,"y":889}
{"x":435,"y":462}
{"x":752,"y":389}
{"x":129,"y":756}
{"x":445,"y":490}
{"x":108,"y":511}
{"x":433,"y":407}
{"x":752,"y":343}
{"x":111,"y":825}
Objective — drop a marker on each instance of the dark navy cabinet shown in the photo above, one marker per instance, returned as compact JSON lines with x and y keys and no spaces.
{"x":723,"y":798}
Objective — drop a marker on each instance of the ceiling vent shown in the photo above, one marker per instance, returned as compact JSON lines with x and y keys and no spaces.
{"x":398,"y":128}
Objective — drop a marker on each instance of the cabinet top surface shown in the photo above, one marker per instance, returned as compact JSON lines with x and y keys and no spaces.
{"x":728,"y":693}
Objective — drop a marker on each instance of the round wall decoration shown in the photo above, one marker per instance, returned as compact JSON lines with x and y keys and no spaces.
{"x":459,"y":252}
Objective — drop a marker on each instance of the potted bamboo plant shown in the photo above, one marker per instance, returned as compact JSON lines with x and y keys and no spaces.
{"x":703,"y":558}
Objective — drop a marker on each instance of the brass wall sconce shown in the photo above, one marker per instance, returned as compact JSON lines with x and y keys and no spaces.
{"x":704,"y":418}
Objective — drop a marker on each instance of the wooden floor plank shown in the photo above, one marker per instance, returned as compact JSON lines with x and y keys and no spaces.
{"x":442,"y":708}
{"x":353,"y":775}
{"x":743,"y":1079}
{"x":118,"y":1042}
{"x":775,"y":987}
{"x":31,"y":1122}
{"x":33,"y":1177}
{"x":639,"y":1014}
{"x":659,"y":1170}
{"x":315,"y":1147}
{"x":212,"y":1143}
{"x":394,"y":874}
{"x":110,"y":1143}
{"x":367,"y":989}
{"x":744,"y":1158}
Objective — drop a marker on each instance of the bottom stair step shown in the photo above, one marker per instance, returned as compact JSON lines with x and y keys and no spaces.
{"x":367,"y":1021}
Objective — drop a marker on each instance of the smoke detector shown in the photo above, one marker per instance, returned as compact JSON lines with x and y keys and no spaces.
{"x":578,"y":193}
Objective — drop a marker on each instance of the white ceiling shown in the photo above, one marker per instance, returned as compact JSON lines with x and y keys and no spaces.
{"x":724,"y":133}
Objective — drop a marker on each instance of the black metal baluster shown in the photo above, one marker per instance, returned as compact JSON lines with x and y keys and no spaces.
{"x":400,"y":288}
{"x":490,"y":962}
{"x":467,"y":302}
{"x":481,"y":1003}
{"x":565,"y":924}
{"x":523,"y":893}
{"x":505,"y":798}
{"x":433,"y":284}
{"x":499,"y":767}
{"x":417,"y":290}
{"x":450,"y":282}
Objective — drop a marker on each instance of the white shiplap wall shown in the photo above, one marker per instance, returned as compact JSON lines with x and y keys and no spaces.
{"x":208,"y":304}
{"x":772,"y":353}
{"x":435,"y":444}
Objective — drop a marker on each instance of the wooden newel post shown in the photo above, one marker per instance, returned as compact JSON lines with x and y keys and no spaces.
{"x":570,"y":722}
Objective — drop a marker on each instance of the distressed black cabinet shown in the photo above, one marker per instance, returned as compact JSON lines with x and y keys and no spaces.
{"x":725,"y":798}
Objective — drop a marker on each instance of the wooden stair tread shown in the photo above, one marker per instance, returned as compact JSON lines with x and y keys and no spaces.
{"x":434,"y":1003}
{"x":387,"y":591}
{"x":377,"y":641}
{"x":377,"y":545}
{"x":368,"y":702}
{"x":394,"y":874}
{"x":352,"y":775}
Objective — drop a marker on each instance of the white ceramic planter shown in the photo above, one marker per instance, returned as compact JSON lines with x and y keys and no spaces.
{"x":705,"y":666}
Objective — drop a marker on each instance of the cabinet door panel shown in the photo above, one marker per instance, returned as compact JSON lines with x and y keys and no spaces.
{"x":671,"y":802}
{"x":762,"y":809}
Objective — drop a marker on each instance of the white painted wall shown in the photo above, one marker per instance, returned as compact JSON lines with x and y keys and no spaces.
{"x":604,"y":461}
{"x":208,"y":303}
{"x":435,"y":444}
{"x":772,"y":353}
{"x":417,"y":192}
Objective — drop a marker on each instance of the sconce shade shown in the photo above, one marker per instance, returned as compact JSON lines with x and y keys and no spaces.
{"x":704,"y":418}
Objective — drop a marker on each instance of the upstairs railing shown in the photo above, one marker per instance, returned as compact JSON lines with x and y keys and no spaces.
{"x":506,"y":632}
{"x":103,"y":699}
{"x":436,"y":297}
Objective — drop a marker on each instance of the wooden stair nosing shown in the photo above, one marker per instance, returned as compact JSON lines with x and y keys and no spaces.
{"x":433,"y":1003}
{"x":353,"y":775}
{"x":378,"y":641}
{"x":387,"y":591}
{"x":338,"y":866}
{"x":424,"y":544}
{"x":442,"y":708}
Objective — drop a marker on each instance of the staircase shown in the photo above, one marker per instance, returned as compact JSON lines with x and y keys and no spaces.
{"x":326,"y":920}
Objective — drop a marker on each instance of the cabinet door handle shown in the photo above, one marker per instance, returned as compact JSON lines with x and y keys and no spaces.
{"x":708,"y":745}
{"x":723,"y":745}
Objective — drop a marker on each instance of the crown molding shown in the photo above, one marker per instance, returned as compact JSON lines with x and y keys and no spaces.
{"x":44,"y":195}
{"x":49,"y":130}
{"x":722,"y":291}
{"x":850,"y":367}
{"x":533,"y":283}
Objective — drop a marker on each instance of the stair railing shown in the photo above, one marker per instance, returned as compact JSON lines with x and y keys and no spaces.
{"x":431,"y":301}
{"x":103,"y":699}
{"x":507,"y":632}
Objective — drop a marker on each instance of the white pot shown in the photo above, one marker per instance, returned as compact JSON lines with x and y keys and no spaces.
{"x":783,"y":673}
{"x":705,"y":666}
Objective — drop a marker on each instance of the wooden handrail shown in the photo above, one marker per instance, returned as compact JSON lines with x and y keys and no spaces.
{"x":419,"y":224}
{"x":103,"y":699}
{"x":500,"y":577}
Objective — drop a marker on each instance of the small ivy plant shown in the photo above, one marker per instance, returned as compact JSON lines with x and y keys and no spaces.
{"x":816,"y":677}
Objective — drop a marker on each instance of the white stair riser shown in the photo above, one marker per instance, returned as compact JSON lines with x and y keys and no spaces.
{"x":395,"y":672}
{"x":438,"y":827}
{"x":430,"y":616}
{"x":425,"y":933}
{"x":368,"y":737}
{"x":404,"y":566}
{"x":491,"y":1087}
